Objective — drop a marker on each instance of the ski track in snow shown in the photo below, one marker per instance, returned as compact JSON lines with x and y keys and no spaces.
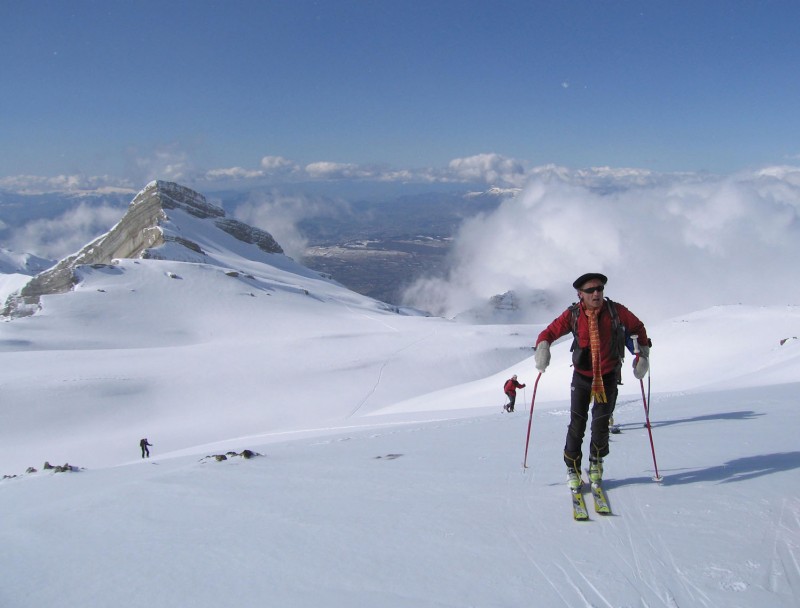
{"x":535,"y":563}
{"x":536,"y":527}
{"x":383,"y":366}
{"x":570,"y":580}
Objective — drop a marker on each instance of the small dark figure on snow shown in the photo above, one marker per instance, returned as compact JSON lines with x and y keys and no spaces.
{"x":144,"y":444}
{"x":510,"y":389}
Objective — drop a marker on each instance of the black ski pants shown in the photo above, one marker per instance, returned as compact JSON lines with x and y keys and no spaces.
{"x":512,"y":399}
{"x":579,"y":416}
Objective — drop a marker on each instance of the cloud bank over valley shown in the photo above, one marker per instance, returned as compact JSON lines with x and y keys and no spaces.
{"x":670,"y":243}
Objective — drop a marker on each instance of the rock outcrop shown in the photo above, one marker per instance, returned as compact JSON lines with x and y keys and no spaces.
{"x":139,"y":234}
{"x":246,"y":454}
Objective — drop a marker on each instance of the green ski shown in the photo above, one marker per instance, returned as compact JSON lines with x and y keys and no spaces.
{"x":579,"y":510}
{"x":600,"y":500}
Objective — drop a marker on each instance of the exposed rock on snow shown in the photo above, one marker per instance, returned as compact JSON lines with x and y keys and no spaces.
{"x":61,"y":468}
{"x":246,"y":454}
{"x":142,"y":233}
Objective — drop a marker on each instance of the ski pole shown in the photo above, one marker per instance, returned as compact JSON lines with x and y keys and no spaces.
{"x":646,"y":412}
{"x":530,"y":420}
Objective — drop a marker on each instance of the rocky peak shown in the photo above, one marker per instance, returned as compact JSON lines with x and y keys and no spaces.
{"x":169,"y":195}
{"x":139,"y":234}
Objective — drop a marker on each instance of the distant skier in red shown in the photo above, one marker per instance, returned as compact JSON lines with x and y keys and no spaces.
{"x":144,"y":444}
{"x":510,"y":389}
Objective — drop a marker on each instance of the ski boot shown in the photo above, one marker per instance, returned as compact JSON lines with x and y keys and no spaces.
{"x":596,"y":470}
{"x":574,"y":480}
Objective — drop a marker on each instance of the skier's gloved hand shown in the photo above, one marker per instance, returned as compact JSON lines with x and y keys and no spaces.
{"x":641,"y":364}
{"x":542,"y":357}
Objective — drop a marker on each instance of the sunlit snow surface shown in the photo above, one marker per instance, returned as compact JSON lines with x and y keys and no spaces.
{"x":388,"y":475}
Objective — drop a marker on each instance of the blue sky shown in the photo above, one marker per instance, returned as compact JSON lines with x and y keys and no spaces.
{"x":140,"y":89}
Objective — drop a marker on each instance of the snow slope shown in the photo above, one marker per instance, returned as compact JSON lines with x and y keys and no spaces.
{"x":388,"y":474}
{"x":188,"y":354}
{"x":16,"y":269}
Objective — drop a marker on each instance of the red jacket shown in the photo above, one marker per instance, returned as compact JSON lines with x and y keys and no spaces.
{"x":512,"y":385}
{"x":608,"y":360}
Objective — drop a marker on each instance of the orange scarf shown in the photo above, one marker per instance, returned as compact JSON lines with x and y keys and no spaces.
{"x":598,"y":390}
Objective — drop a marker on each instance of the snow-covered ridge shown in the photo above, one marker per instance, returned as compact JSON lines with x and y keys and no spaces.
{"x":155,"y":226}
{"x":22,"y":263}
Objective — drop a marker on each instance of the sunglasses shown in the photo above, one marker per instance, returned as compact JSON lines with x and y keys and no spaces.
{"x":599,"y":288}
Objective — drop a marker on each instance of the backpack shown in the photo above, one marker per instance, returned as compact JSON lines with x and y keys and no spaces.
{"x":581,"y":357}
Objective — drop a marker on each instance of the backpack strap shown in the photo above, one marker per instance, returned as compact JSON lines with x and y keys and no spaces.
{"x":614,"y":315}
{"x":574,"y":310}
{"x":618,"y":332}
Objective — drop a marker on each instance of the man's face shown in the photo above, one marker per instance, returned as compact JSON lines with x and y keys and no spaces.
{"x":594,"y":299}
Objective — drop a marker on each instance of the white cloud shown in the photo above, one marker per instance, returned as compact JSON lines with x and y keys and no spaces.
{"x":330,"y":170}
{"x":670,"y":245}
{"x":492,"y":169}
{"x":61,"y":236}
{"x":279,"y":165}
{"x":173,"y":163}
{"x":279,"y":214}
{"x":785,"y":173}
{"x":36,"y":184}
{"x":233,"y":173}
{"x":325,"y":170}
{"x":169,"y":162}
{"x":279,"y":168}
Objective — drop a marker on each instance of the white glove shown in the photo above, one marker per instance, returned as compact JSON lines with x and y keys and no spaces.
{"x":542,"y":356}
{"x":641,"y":364}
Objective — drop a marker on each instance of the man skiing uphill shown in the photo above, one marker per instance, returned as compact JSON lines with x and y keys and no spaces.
{"x":510,"y":389}
{"x":600,"y":327}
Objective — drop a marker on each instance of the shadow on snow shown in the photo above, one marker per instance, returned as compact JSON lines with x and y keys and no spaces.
{"x":741,"y":415}
{"x":739,"y":469}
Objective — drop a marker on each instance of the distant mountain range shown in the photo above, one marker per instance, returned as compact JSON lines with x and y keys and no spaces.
{"x":374,"y":247}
